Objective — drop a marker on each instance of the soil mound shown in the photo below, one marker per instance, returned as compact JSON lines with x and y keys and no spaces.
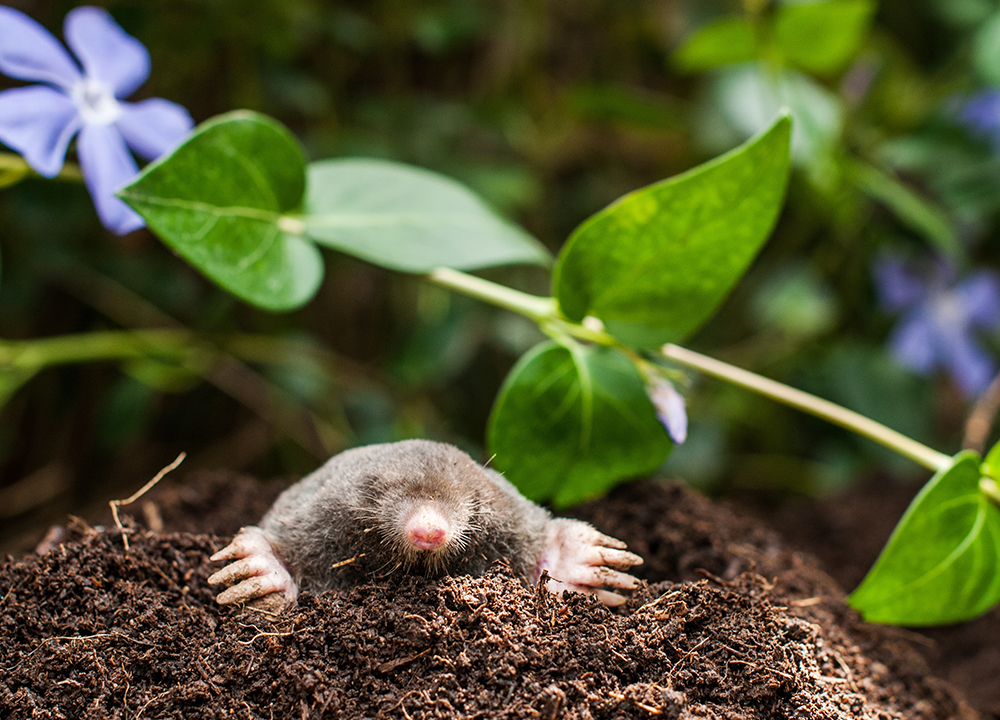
{"x":731,"y":625}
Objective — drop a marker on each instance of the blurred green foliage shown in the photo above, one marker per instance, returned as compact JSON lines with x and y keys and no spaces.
{"x":549,"y":110}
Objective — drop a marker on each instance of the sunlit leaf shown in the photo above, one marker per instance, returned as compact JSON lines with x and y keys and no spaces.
{"x":942,"y":563}
{"x":822,"y":37}
{"x":656,"y":264}
{"x":409,"y":219}
{"x":725,"y":41}
{"x":992,"y":462}
{"x":218,"y":201}
{"x":572,"y":422}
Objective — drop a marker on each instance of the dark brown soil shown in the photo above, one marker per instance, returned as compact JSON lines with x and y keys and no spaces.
{"x":847,"y":532}
{"x":732,"y":625}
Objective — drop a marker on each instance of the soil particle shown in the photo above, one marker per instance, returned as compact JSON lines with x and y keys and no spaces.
{"x":731,"y":625}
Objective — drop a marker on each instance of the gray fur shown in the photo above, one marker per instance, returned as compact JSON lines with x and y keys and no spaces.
{"x":351,"y":511}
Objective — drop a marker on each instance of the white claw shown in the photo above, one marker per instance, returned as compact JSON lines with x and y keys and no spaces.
{"x":580,"y":559}
{"x":618,"y":559}
{"x":257,"y":572}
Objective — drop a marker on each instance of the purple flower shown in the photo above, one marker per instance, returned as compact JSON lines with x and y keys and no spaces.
{"x":670,"y":408}
{"x":40,"y":120}
{"x":939,"y":317}
{"x":981,"y":115}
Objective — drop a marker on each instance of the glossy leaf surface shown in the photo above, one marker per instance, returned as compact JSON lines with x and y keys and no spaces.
{"x":656,"y":264}
{"x":217,"y":200}
{"x":942,"y":562}
{"x":572,"y":422}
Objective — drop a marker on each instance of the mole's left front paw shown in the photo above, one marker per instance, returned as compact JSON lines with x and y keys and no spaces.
{"x":258,"y":575}
{"x":579,"y":558}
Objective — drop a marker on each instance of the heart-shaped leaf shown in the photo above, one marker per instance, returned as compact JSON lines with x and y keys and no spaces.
{"x":655,"y":264}
{"x":409,"y":219}
{"x":218,"y":200}
{"x":572,"y":421}
{"x":942,"y":562}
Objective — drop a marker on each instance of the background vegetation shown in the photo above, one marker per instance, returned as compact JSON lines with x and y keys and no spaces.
{"x":549,"y":110}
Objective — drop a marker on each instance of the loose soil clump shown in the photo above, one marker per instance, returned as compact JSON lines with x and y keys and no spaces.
{"x":731,"y":625}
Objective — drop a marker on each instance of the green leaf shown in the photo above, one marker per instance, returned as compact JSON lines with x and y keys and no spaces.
{"x":656,"y":264}
{"x":822,"y":37}
{"x":942,"y":562}
{"x":986,"y":50}
{"x":218,"y":201}
{"x":992,"y":462}
{"x":725,"y":41}
{"x":571,"y":422}
{"x":409,"y":219}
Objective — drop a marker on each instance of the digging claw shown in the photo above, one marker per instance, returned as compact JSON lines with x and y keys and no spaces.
{"x":257,"y":575}
{"x":580,"y":559}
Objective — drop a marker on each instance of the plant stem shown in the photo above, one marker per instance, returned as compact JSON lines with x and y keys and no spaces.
{"x":217,"y":360}
{"x":545,"y":312}
{"x":85,"y":347}
{"x":811,"y":404}
{"x":13,"y":163}
{"x":535,"y":307}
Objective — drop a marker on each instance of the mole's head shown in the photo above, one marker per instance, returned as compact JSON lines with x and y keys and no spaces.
{"x":422,"y":505}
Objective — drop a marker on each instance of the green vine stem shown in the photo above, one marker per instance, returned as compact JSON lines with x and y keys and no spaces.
{"x":537,"y":308}
{"x":219,"y":360}
{"x":14,"y":165}
{"x":546,"y":313}
{"x":866,"y":427}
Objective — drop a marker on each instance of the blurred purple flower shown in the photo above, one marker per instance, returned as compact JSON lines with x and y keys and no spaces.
{"x":40,"y":120}
{"x":981,"y":115}
{"x":939,"y":317}
{"x":670,"y":408}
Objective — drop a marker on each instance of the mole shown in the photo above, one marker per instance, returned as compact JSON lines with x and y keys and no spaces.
{"x":418,"y":507}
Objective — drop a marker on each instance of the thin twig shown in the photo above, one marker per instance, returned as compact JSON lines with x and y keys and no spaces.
{"x":264,"y":634}
{"x":142,"y":491}
{"x":348,"y":561}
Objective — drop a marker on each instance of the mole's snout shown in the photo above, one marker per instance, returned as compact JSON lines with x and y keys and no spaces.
{"x":427,"y":528}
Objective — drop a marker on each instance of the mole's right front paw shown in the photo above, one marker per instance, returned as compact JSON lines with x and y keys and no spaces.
{"x":258,"y":573}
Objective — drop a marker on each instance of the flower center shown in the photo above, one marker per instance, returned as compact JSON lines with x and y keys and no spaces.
{"x":949,"y":310}
{"x":96,"y":102}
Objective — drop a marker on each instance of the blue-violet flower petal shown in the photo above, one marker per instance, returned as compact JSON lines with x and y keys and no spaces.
{"x":670,"y":409}
{"x":107,"y":165}
{"x":30,"y":52}
{"x":108,"y":54}
{"x":39,"y":121}
{"x":153,"y":127}
{"x":939,"y":320}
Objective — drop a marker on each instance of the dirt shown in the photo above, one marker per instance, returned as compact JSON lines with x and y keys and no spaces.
{"x":732,"y":624}
{"x":847,"y":532}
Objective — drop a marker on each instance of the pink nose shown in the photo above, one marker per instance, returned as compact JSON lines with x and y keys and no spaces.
{"x":427,"y":529}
